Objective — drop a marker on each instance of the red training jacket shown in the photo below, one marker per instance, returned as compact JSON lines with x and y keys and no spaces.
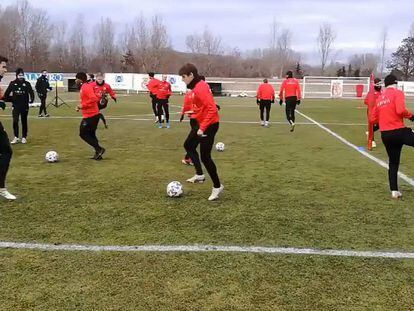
{"x":152,"y":86}
{"x":389,"y":110}
{"x":187,"y":105}
{"x":290,"y":87}
{"x":89,"y":101}
{"x":370,"y":101}
{"x":265,"y":92}
{"x":203,"y":105}
{"x":164,"y":90}
{"x":105,"y":88}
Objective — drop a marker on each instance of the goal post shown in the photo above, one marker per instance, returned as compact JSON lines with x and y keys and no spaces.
{"x":334,"y":87}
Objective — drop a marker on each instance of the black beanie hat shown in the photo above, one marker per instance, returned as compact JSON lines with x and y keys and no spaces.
{"x":390,"y":80}
{"x":289,"y":74}
{"x":19,"y":71}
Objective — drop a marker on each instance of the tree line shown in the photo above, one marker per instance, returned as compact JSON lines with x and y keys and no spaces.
{"x":32,"y":41}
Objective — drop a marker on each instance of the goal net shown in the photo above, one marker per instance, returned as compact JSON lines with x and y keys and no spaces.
{"x":334,"y":87}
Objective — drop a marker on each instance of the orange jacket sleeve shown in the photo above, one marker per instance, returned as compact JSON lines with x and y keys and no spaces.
{"x":400,"y":106}
{"x":298,"y":91}
{"x":282,"y":89}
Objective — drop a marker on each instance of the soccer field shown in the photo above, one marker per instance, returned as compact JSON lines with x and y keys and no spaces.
{"x":305,"y":189}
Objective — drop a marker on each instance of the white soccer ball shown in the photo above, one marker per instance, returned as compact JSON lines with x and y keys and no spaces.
{"x":174,"y":189}
{"x":52,"y":156}
{"x":220,"y":146}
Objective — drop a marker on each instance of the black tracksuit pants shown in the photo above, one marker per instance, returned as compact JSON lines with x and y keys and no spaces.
{"x":20,"y":113}
{"x":87,"y":131}
{"x":5,"y":155}
{"x":206,"y":145}
{"x":394,"y":141}
{"x":154,"y":101}
{"x":265,"y":105}
{"x":162,"y":106}
{"x":42,"y":108}
{"x":291,"y":103}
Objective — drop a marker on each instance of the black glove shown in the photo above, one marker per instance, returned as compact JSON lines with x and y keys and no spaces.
{"x":2,"y":105}
{"x":182,"y":118}
{"x":411,"y":119}
{"x":114,"y":99}
{"x":218,"y":107}
{"x":280,"y":102}
{"x":298,"y":102}
{"x":103,"y":103}
{"x":272,"y":101}
{"x":257,"y":101}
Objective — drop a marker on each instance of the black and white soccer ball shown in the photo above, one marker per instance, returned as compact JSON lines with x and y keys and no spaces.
{"x":52,"y":156}
{"x":220,"y":146}
{"x":174,"y":189}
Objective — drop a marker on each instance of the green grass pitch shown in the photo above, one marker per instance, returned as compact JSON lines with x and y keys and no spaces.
{"x":301,"y":189}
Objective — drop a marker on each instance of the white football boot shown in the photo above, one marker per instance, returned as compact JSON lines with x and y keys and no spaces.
{"x":7,"y":195}
{"x":262,"y":123}
{"x":215,"y":193}
{"x":374,"y":144}
{"x":396,"y":194}
{"x":197,"y":179}
{"x":266,"y":124}
{"x":15,"y":141}
{"x":24,"y":140}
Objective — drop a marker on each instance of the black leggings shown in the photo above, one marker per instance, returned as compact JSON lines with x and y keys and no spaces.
{"x":290,"y":108}
{"x":5,"y":156}
{"x":87,"y":131}
{"x":22,"y":114}
{"x":154,"y":102}
{"x":265,"y":104}
{"x":163,"y":106}
{"x":394,"y":141}
{"x":42,"y":104}
{"x":206,"y":144}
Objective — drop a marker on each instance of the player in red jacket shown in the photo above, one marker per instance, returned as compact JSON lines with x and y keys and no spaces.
{"x":163,"y":94}
{"x":205,"y":113}
{"x":389,"y":112}
{"x":102,"y":90}
{"x":370,"y":101}
{"x":90,"y":114}
{"x":152,"y":87}
{"x":291,"y":94}
{"x":265,"y":97}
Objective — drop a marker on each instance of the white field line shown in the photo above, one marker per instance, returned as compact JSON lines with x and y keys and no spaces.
{"x":130,"y":118}
{"x":404,"y":177}
{"x":207,"y":248}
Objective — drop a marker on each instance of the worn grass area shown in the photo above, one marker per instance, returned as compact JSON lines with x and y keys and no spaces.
{"x":304,"y":189}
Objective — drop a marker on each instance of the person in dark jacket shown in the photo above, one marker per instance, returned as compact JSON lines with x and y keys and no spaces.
{"x":20,"y":93}
{"x":42,"y":87}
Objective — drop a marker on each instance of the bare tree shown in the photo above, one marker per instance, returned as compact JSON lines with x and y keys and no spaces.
{"x":384,"y":39}
{"x":211,"y":43}
{"x":105,"y":43}
{"x":159,"y":41}
{"x":325,"y":40}
{"x":11,"y":34}
{"x":284,"y":49}
{"x":25,"y":11}
{"x":274,"y":30}
{"x":194,"y":43}
{"x":77,"y":45}
{"x":39,"y":38}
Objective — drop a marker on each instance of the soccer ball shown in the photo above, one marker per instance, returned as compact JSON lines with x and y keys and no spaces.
{"x":52,"y":156}
{"x":174,"y":189}
{"x":220,"y":146}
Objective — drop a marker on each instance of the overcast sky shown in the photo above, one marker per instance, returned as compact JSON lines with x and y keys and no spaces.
{"x":246,"y":24}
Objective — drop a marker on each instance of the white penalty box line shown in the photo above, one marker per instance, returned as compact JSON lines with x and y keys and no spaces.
{"x":206,"y":248}
{"x":404,"y":177}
